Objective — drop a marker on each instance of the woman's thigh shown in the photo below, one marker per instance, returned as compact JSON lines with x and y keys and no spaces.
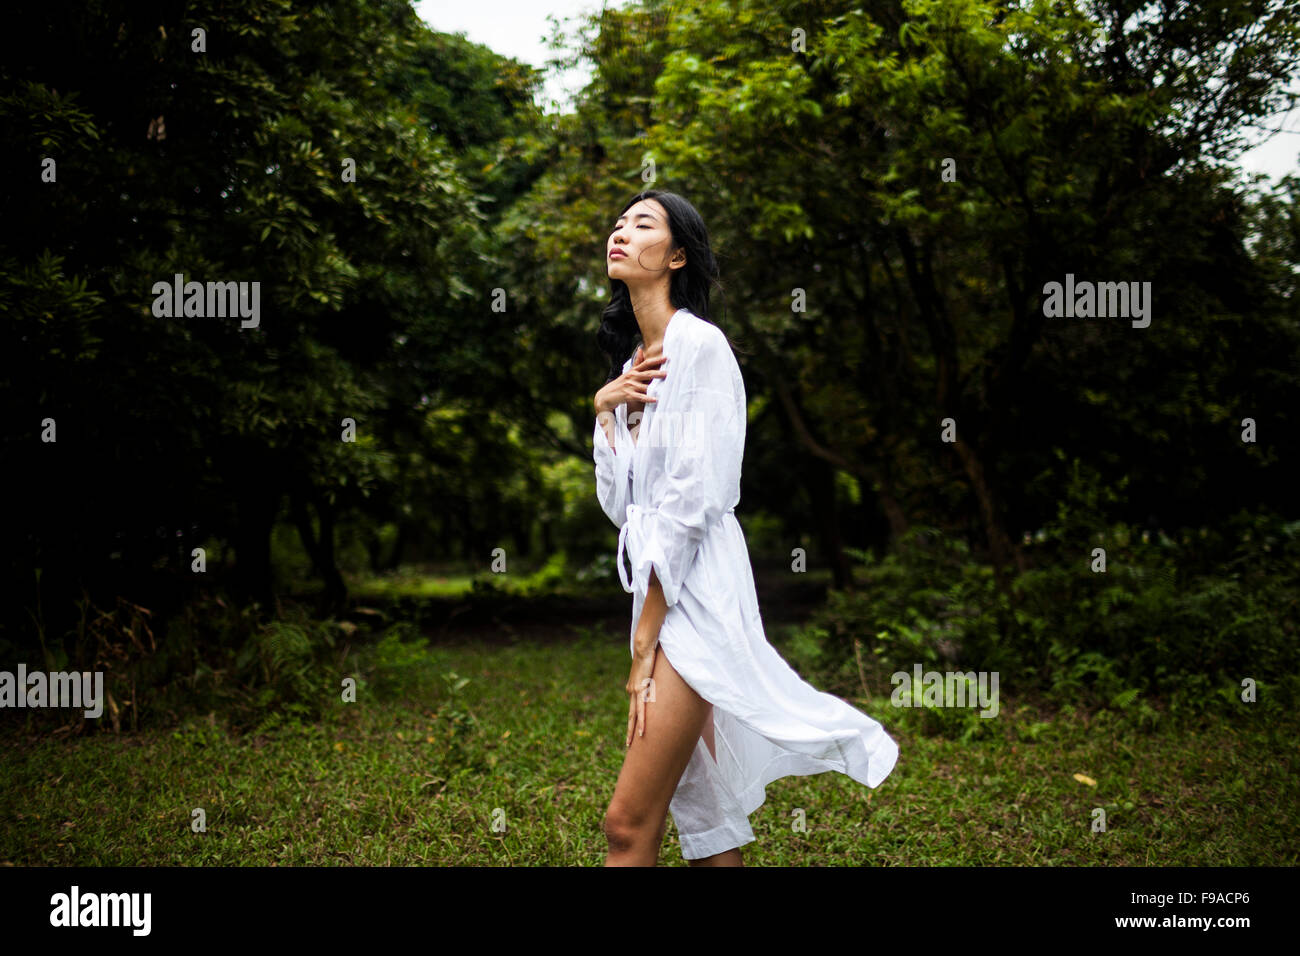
{"x":655,"y":762}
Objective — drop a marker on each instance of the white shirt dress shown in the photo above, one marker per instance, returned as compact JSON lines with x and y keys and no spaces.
{"x":673,"y":494}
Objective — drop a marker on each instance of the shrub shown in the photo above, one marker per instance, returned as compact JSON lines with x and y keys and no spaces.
{"x":1183,"y":619}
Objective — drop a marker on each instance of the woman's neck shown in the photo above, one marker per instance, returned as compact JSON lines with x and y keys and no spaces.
{"x":653,"y":319}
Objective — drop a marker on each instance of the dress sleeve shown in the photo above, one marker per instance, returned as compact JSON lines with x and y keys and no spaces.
{"x":613,"y":472}
{"x":703,"y":434}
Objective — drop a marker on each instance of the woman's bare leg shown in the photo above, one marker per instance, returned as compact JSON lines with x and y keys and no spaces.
{"x":652,"y":767}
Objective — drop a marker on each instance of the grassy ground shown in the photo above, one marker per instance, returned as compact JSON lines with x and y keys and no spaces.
{"x":512,"y":761}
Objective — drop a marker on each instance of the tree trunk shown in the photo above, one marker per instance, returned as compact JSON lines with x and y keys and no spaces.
{"x":321,"y":550}
{"x":256,"y":515}
{"x":336,"y":591}
{"x":794,"y":417}
{"x":1002,"y":549}
{"x":823,"y":503}
{"x":889,"y":504}
{"x":943,"y":340}
{"x":302,"y":521}
{"x":374,"y":550}
{"x":399,"y":547}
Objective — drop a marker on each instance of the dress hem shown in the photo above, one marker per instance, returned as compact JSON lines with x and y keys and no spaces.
{"x":728,"y":836}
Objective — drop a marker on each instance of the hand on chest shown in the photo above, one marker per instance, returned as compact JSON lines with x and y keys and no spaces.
{"x":639,"y":412}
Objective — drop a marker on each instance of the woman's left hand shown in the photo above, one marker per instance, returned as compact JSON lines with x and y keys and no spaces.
{"x":640,"y":685}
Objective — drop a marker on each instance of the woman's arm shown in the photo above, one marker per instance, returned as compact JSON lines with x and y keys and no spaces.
{"x":611,"y":449}
{"x":609,"y":422}
{"x":653,"y":611}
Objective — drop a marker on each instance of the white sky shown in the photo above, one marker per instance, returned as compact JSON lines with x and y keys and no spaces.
{"x":519,"y":29}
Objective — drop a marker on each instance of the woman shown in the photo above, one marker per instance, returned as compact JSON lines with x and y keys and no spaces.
{"x":714,"y":713}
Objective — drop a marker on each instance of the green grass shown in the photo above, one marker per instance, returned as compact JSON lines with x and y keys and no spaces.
{"x":411,"y":584}
{"x":420,"y":582}
{"x":417,"y":772}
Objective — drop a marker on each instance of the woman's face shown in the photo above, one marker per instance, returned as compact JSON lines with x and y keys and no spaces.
{"x":642,"y":236}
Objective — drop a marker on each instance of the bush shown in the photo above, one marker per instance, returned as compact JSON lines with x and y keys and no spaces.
{"x":279,"y":666}
{"x":1184,"y":619}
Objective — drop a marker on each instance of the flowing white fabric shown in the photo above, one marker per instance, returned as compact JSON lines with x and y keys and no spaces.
{"x":673,"y":495}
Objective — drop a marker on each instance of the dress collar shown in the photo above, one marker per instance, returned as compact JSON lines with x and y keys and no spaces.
{"x":678,"y":318}
{"x":685,"y":314}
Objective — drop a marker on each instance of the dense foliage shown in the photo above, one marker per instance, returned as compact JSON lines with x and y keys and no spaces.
{"x":890,"y":186}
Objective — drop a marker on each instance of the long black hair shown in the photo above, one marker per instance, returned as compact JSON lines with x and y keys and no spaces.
{"x":688,"y":288}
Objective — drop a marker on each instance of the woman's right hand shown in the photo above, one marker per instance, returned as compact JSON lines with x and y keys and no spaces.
{"x":631,"y":386}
